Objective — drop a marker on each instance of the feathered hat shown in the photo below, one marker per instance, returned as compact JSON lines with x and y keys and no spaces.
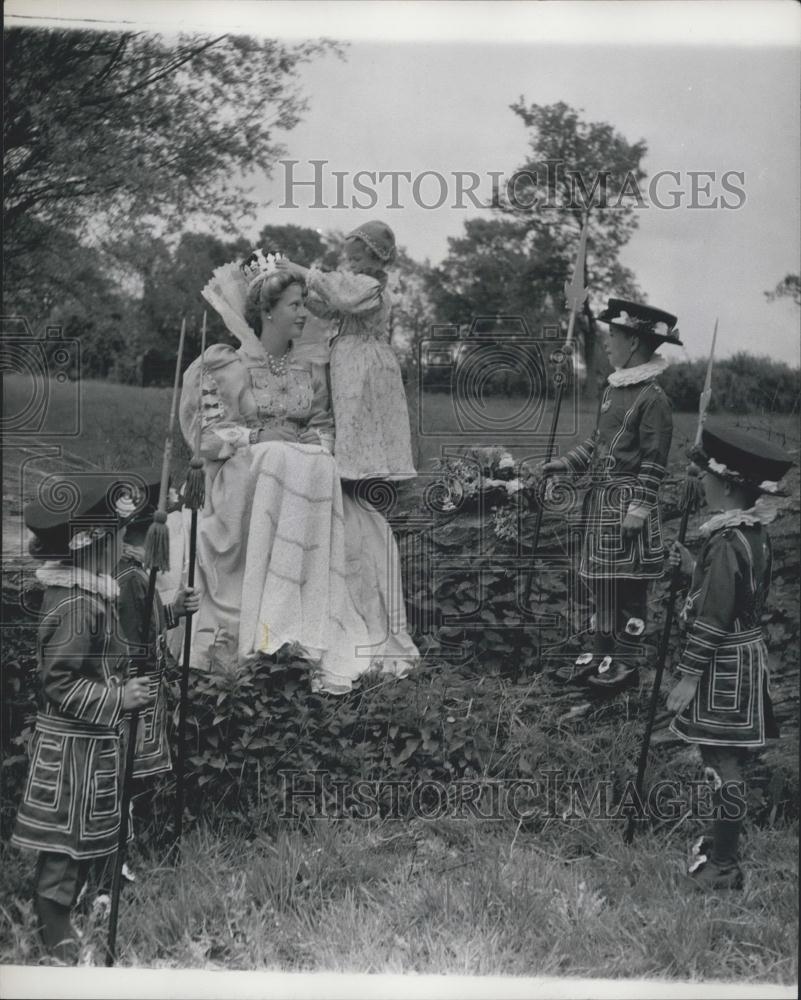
{"x":633,"y":317}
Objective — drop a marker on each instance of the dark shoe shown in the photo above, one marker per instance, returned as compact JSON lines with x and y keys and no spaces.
{"x":706,"y":876}
{"x":613,"y":674}
{"x":58,"y":934}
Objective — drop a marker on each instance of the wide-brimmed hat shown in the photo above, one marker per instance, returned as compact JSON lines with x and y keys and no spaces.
{"x":742,"y":458}
{"x":378,"y":237}
{"x":73,"y":510}
{"x":636,"y":318}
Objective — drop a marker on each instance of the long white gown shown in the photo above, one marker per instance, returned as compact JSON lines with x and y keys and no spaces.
{"x":283,"y":556}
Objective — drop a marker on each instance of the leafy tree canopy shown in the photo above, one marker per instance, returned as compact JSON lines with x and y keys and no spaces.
{"x":517,"y":262}
{"x":104,"y":128}
{"x":788,"y":288}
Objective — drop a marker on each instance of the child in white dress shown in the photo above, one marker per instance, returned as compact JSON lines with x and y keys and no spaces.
{"x":368,"y":399}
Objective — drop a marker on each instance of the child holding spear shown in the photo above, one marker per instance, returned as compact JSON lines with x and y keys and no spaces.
{"x":722,"y":697}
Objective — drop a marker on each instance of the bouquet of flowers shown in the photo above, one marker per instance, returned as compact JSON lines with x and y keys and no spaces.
{"x":487,"y":478}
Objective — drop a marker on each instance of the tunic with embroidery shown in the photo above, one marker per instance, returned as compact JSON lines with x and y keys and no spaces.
{"x":274,"y":562}
{"x":152,"y":744}
{"x":724,"y":645}
{"x":71,"y":802}
{"x":368,"y":398}
{"x":624,"y":463}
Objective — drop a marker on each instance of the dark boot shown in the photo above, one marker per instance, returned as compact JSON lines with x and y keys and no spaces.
{"x":716,"y":866}
{"x":709,"y":876}
{"x":622,"y":671}
{"x":58,"y":934}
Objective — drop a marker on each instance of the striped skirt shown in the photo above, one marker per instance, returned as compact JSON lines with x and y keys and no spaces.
{"x":732,"y":705}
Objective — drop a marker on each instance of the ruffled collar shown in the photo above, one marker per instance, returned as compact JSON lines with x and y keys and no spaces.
{"x":758,"y":514}
{"x":639,"y":373}
{"x":59,"y":574}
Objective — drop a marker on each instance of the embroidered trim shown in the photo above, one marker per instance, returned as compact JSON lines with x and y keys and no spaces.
{"x":56,"y":574}
{"x":639,"y":373}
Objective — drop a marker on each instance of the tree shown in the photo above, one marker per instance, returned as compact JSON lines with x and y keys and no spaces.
{"x":518,"y":261}
{"x":304,"y":246}
{"x":788,"y":288}
{"x":577,"y":167}
{"x":488,"y":271}
{"x":102,"y":128}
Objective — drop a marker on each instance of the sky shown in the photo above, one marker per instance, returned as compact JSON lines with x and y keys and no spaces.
{"x":445,"y":107}
{"x":427,"y":87}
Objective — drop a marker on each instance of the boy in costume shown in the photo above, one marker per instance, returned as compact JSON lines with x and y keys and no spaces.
{"x":722,"y":698}
{"x":70,"y":811}
{"x":625,"y":461}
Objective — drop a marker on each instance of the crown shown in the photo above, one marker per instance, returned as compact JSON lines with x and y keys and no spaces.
{"x":258,"y":265}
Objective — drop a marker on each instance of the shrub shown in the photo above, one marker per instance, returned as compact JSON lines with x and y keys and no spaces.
{"x":742,"y":383}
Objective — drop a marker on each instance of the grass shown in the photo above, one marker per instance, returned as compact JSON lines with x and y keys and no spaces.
{"x":119,"y":425}
{"x":123,"y":424}
{"x":446,"y":896}
{"x":441,"y":897}
{"x":443,"y":424}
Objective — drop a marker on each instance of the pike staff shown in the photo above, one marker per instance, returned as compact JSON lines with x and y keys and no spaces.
{"x":688,"y":502}
{"x":194,"y":497}
{"x":575,"y":296}
{"x":157,"y":558}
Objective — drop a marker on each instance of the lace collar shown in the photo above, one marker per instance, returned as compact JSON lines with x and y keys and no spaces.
{"x":59,"y":574}
{"x":758,"y":514}
{"x":639,"y":373}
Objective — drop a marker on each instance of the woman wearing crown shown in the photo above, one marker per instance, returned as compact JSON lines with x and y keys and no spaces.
{"x":276,"y":543}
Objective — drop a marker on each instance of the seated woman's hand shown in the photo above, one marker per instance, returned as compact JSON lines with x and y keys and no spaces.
{"x":309,"y":436}
{"x":281,"y":432}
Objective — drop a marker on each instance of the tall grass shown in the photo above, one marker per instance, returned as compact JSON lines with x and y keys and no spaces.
{"x":441,"y":897}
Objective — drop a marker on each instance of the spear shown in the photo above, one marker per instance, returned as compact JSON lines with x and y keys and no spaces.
{"x":195,"y":496}
{"x":157,"y":557}
{"x":575,"y":296}
{"x":688,"y":502}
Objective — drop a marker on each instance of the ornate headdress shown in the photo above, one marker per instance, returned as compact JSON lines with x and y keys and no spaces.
{"x":227,"y":291}
{"x":259,"y":266}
